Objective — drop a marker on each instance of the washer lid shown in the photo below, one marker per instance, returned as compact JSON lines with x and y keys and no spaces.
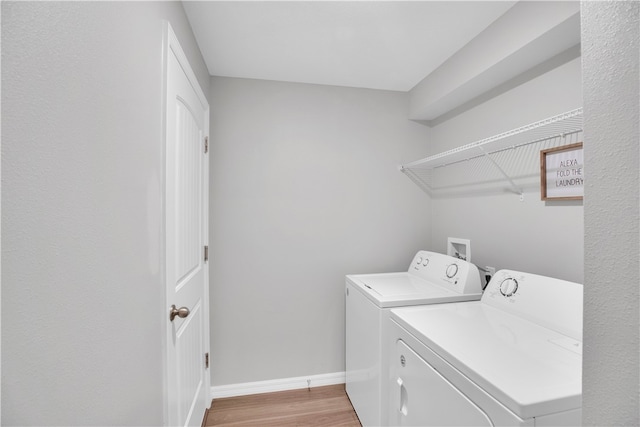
{"x":401,"y":289}
{"x":530,"y":369}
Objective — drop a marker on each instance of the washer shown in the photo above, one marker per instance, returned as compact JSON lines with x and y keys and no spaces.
{"x":513,"y":358}
{"x":430,"y":279}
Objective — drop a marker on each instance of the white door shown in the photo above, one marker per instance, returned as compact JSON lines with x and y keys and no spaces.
{"x":186,"y":210}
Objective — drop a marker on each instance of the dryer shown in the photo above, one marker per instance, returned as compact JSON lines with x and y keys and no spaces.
{"x":431,"y":278}
{"x":513,"y":358}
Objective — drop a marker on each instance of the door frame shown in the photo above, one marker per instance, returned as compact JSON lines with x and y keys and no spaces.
{"x":171,"y":45}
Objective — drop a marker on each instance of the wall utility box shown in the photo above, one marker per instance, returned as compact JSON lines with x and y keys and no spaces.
{"x":459,"y":248}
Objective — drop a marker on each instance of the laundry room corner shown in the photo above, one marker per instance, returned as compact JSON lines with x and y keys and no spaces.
{"x":305,"y":189}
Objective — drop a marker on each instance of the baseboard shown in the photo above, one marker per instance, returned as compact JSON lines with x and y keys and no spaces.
{"x":269,"y":386}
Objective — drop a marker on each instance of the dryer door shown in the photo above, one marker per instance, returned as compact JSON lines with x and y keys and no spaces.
{"x":423,"y":397}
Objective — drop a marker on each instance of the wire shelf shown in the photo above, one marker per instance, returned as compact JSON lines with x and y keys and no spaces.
{"x":486,"y":165}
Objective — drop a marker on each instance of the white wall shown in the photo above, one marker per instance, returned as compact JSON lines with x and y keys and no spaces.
{"x":304,"y":190}
{"x":82,"y":295}
{"x":532,"y":236}
{"x":611,"y":361}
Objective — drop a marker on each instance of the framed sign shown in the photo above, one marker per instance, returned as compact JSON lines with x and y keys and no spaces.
{"x":562,"y":173}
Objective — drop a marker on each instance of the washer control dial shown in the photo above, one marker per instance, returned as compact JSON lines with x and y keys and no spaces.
{"x":508,"y":287}
{"x":425,"y":262}
{"x":452,"y":270}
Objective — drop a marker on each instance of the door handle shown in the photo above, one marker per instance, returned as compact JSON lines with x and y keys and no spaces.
{"x":181,"y":312}
{"x":403,"y":397}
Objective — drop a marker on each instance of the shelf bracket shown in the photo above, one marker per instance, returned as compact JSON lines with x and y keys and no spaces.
{"x":416,"y":180}
{"x":515,"y":188}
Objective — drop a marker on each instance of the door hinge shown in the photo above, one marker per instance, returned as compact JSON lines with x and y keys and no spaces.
{"x":206,"y":253}
{"x":206,"y":360}
{"x":206,"y":144}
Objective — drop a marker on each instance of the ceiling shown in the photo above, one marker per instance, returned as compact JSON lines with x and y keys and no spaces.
{"x":388,"y":45}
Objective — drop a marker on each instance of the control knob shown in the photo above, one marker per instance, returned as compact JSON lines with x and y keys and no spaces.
{"x":452,"y":270}
{"x":508,"y":287}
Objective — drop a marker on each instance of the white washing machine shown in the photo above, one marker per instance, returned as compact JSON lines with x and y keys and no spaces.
{"x":513,"y":358}
{"x":431,"y":278}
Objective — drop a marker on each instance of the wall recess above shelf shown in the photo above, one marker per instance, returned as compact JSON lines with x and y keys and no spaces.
{"x":508,"y":161}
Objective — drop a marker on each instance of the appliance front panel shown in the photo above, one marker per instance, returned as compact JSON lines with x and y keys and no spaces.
{"x":363,"y":335}
{"x":470,"y":394}
{"x":523,"y":365}
{"x":423,"y":397}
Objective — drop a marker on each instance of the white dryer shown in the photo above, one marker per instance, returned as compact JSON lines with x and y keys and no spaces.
{"x":431,"y":278}
{"x":512,"y":359}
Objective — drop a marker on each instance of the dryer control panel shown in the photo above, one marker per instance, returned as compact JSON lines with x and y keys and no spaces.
{"x":554,"y":303}
{"x":453,"y":273}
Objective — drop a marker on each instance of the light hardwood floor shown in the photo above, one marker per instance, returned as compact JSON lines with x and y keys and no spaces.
{"x":319,"y":406}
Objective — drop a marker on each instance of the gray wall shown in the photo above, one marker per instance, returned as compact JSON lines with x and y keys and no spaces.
{"x":530,"y":235}
{"x":82,"y":292}
{"x":304,"y":189}
{"x":611,"y":361}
